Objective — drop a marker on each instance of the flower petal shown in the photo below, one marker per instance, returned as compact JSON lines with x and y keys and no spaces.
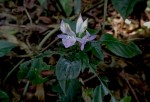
{"x":83,"y":26}
{"x":79,"y":24}
{"x":69,"y":31}
{"x":65,"y":28}
{"x":79,"y":39}
{"x":87,"y":33}
{"x":82,"y":46}
{"x":62,"y":26}
{"x":68,"y":42}
{"x":62,"y":36}
{"x":92,"y":37}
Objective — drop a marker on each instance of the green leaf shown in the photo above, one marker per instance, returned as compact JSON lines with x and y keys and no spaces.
{"x":126,"y":99}
{"x":124,"y":7}
{"x":77,"y":6}
{"x":67,"y":69}
{"x":93,"y":31}
{"x":96,"y":50}
{"x":84,"y":60}
{"x":119,"y":48}
{"x":66,"y":4}
{"x":5,"y":47}
{"x":99,"y":92}
{"x":31,"y":70}
{"x":93,"y":65}
{"x":3,"y":96}
{"x":73,"y":91}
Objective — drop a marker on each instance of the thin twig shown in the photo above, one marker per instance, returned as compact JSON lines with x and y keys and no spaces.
{"x":23,"y":56}
{"x":28,"y":15}
{"x":50,"y":44}
{"x":30,"y":19}
{"x":95,"y":5}
{"x":47,"y":36}
{"x":28,"y":43}
{"x":25,"y":90}
{"x":90,"y":78}
{"x":128,"y":83}
{"x":13,"y":69}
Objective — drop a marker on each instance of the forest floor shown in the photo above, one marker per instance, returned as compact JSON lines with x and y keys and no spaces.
{"x":28,"y":23}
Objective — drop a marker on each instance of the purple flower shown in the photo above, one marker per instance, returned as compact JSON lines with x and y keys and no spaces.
{"x":68,"y":37}
{"x":85,"y":39}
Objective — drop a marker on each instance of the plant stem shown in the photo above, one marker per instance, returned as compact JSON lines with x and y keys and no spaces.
{"x":14,"y":68}
{"x":105,"y":14}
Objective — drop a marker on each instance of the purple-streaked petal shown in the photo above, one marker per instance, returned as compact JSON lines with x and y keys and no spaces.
{"x":92,"y":37}
{"x":62,"y":36}
{"x":68,"y":42}
{"x":79,"y":24}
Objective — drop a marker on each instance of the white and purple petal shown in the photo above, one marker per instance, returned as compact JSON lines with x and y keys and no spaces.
{"x":79,"y":24}
{"x":83,"y":26}
{"x":85,"y":39}
{"x":62,"y":26}
{"x":92,"y":37}
{"x":82,"y":46}
{"x":62,"y":36}
{"x":65,"y":28}
{"x":67,"y":42}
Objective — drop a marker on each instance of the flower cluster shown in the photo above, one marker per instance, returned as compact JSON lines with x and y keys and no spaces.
{"x":70,"y":37}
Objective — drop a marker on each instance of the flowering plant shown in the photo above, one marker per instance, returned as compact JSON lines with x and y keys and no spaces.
{"x":70,"y":37}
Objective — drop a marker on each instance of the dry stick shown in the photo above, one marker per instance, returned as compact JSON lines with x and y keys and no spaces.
{"x":50,"y":44}
{"x":27,"y":39}
{"x":95,"y":5}
{"x":90,"y":78}
{"x":128,"y":83}
{"x":24,"y":91}
{"x":57,"y":28}
{"x":47,"y":37}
